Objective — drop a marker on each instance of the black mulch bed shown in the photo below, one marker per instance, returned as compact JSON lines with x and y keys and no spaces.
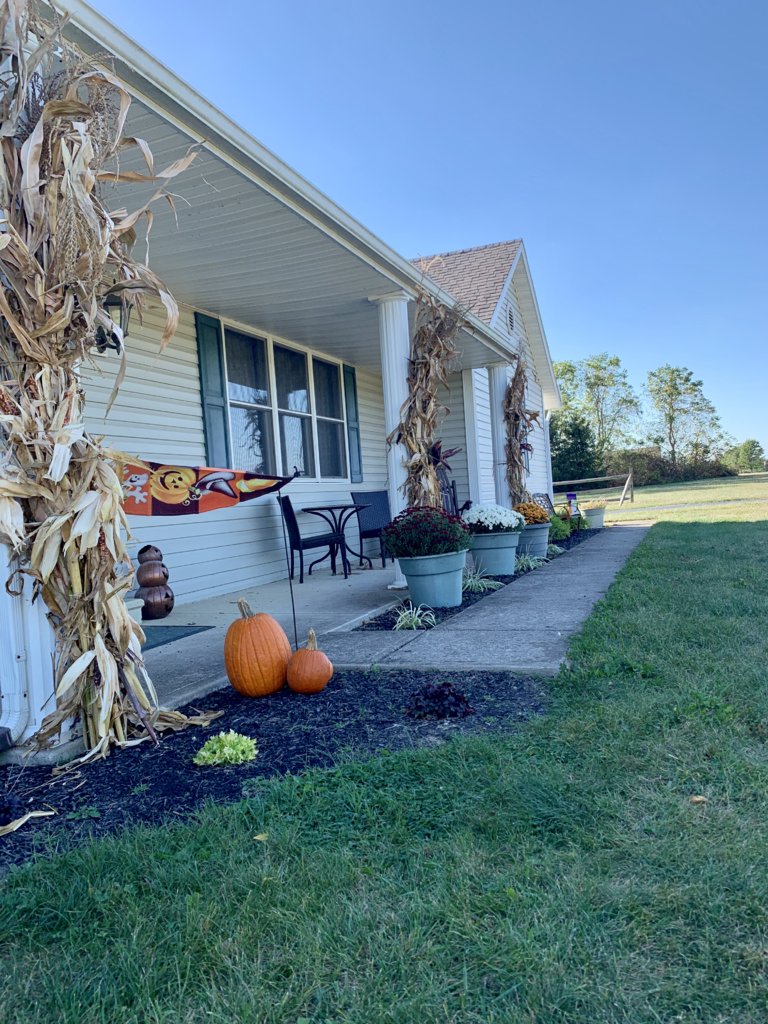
{"x":359,"y":714}
{"x":386,"y":621}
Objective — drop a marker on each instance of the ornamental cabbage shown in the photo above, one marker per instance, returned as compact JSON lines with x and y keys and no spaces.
{"x":226,"y":748}
{"x":493,"y":519}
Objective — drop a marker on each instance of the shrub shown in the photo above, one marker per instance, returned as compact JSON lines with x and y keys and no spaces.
{"x":418,"y":532}
{"x":559,"y":529}
{"x":649,"y":467}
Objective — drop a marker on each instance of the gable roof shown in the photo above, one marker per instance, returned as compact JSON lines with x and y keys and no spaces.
{"x":475,"y":277}
{"x":478,"y":280}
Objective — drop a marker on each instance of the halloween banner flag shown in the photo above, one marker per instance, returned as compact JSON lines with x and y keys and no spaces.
{"x":153,"y":489}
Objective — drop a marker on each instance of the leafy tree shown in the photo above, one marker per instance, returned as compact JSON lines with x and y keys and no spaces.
{"x":752,"y":455}
{"x":573,"y":447}
{"x":747,"y":457}
{"x":687,"y":423}
{"x":598,"y":389}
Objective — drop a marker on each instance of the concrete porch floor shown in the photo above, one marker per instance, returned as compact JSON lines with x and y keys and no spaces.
{"x":192,"y":666}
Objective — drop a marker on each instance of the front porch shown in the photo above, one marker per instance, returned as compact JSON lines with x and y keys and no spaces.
{"x":192,"y":666}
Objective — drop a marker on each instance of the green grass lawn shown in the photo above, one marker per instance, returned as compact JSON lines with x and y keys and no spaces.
{"x":561,"y":875}
{"x":752,"y":487}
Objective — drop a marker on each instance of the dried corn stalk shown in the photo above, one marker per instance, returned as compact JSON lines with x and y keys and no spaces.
{"x":433,"y":352}
{"x":61,"y":130}
{"x":518,"y":422}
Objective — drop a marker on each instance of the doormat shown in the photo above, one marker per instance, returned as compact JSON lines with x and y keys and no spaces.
{"x":159,"y":635}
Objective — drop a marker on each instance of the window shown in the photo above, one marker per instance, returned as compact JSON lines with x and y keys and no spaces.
{"x":288,"y":410}
{"x":250,"y":403}
{"x":330,"y":419}
{"x":353,"y":426}
{"x":294,"y":411}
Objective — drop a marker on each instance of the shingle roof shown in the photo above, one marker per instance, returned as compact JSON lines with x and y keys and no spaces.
{"x":473,"y":276}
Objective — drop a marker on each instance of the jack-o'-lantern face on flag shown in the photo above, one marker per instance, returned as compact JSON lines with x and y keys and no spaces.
{"x":171,"y":484}
{"x":153,"y":489}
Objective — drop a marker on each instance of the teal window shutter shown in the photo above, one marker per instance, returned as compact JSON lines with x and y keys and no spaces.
{"x":353,"y":426}
{"x":213,"y":387}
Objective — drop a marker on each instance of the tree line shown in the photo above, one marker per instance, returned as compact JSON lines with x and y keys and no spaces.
{"x":669,"y":431}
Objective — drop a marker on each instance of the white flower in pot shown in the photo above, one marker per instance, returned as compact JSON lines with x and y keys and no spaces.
{"x":495,"y":533}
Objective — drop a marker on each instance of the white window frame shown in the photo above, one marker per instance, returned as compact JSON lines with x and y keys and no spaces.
{"x":271,"y":340}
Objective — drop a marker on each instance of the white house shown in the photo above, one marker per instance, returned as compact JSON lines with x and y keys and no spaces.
{"x":293,"y":339}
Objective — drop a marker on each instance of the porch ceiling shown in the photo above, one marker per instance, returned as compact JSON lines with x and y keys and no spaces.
{"x":255,"y":241}
{"x":234,"y":249}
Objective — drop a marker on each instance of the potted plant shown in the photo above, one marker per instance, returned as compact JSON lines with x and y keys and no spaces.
{"x":495,"y":532}
{"x":535,"y":535}
{"x":431,"y":547}
{"x":594,"y":513}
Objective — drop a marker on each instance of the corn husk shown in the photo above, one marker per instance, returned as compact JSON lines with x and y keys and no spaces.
{"x":518,"y":423}
{"x":432,"y":356}
{"x":62,"y":249}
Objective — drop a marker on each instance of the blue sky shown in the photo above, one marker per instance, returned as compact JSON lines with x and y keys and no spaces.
{"x":625,"y":142}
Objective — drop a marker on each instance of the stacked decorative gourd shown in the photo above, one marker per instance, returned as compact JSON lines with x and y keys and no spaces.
{"x":152,"y":577}
{"x":258,"y":659}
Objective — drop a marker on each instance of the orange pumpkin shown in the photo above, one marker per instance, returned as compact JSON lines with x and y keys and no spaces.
{"x":309,"y":669}
{"x":256,"y":653}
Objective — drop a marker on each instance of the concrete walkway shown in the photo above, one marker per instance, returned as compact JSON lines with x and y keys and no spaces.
{"x":525,"y":628}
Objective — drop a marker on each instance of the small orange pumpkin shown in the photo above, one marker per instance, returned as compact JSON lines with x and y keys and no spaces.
{"x":309,"y":669}
{"x":256,"y":653}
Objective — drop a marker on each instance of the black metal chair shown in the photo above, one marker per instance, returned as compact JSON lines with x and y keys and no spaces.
{"x":448,"y":494}
{"x":546,"y":503}
{"x":372,"y":520}
{"x":333,"y":541}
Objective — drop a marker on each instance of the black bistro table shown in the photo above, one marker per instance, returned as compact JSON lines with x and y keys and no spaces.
{"x":337,"y":517}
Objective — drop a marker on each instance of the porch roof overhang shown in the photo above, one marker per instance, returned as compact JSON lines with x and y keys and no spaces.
{"x":251,"y":240}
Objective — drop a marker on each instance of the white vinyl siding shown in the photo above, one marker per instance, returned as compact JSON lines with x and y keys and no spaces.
{"x":158,"y":416}
{"x":538,"y":476}
{"x":452,"y":433}
{"x":539,"y":472}
{"x":481,"y":391}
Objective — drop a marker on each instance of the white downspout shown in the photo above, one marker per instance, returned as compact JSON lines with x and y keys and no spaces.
{"x":26,"y":664}
{"x":14,"y":696}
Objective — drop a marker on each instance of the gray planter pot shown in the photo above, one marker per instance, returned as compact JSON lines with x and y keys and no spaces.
{"x":534,"y":540}
{"x":435,"y":580}
{"x":495,"y":553}
{"x":595,"y":518}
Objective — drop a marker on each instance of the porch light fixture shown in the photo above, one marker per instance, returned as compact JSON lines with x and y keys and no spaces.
{"x":120,"y":312}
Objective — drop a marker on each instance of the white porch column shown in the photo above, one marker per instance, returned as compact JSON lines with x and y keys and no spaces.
{"x":498,"y":377}
{"x":395,"y":342}
{"x":470,"y":433}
